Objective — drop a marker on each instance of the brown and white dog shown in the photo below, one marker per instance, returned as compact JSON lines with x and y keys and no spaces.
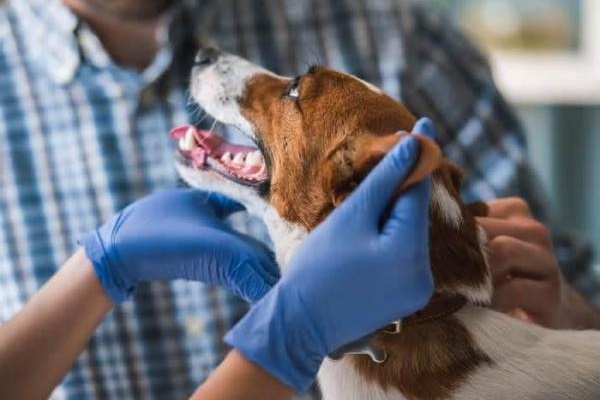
{"x":317,"y":136}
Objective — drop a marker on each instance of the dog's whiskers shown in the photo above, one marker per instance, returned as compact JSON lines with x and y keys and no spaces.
{"x":197,"y":113}
{"x":214,"y":125}
{"x":202,"y":119}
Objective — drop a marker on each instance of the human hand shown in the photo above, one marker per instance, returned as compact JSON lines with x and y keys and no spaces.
{"x":353,"y":274}
{"x":178,"y":234}
{"x":527,"y":278}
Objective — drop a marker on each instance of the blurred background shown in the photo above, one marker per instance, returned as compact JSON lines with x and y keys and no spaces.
{"x":546,"y":59}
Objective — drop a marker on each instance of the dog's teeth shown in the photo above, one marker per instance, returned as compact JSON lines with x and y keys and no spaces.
{"x":226,"y":157}
{"x":254,"y":159}
{"x":239,"y":158}
{"x":188,"y":142}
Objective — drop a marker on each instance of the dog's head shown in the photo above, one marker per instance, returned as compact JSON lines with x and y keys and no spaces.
{"x":317,"y":136}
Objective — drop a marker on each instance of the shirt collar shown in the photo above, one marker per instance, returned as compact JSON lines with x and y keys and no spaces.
{"x":49,"y":28}
{"x":68,"y":42}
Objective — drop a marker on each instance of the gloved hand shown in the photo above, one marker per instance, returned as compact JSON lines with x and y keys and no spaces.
{"x":178,"y":234}
{"x":352,"y":275}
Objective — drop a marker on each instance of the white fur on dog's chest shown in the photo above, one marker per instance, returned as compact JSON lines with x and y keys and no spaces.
{"x":339,"y":380}
{"x":529,"y":363}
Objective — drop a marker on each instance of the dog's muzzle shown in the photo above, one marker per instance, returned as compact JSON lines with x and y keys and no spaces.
{"x":206,"y":57}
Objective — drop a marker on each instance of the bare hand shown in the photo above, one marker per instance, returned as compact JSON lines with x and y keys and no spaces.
{"x":528,"y":283}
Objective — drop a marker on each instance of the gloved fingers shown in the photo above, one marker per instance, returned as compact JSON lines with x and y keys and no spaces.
{"x":247,"y":283}
{"x":188,"y":199}
{"x":410,"y":212}
{"x":374,"y":193}
{"x":223,"y":206}
{"x":248,"y":267}
{"x":265,"y":263}
{"x":425,"y":127}
{"x":232,"y":261}
{"x":267,"y":269}
{"x":224,"y":249}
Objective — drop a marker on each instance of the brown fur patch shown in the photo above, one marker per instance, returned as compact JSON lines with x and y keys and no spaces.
{"x":456,"y":257}
{"x":430,"y":360}
{"x":426,"y":361}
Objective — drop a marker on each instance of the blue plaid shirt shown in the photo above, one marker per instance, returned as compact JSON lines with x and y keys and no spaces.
{"x":81,"y":137}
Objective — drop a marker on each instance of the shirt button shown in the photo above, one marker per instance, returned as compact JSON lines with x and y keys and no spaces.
{"x":147,"y":97}
{"x":65,"y":72}
{"x":194,"y":327}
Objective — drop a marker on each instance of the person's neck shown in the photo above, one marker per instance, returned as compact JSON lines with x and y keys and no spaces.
{"x":130,"y":42}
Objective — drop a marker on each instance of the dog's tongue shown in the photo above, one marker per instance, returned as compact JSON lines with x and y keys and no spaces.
{"x":212,"y":144}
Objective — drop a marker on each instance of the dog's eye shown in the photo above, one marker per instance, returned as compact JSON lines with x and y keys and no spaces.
{"x":293,"y":90}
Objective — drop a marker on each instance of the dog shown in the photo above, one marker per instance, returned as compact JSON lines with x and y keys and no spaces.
{"x":317,"y":136}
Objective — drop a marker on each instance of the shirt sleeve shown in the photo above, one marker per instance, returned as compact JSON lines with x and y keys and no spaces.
{"x":448,"y":79}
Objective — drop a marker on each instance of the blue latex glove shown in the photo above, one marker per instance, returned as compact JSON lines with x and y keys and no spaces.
{"x":178,"y":234}
{"x":352,"y":275}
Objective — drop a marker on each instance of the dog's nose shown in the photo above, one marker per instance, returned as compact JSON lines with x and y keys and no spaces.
{"x":206,"y":56}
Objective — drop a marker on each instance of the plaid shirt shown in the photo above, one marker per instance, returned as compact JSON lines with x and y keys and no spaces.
{"x":81,"y":137}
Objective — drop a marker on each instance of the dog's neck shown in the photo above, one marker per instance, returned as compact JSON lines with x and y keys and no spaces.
{"x":286,"y":236}
{"x":457,"y":245}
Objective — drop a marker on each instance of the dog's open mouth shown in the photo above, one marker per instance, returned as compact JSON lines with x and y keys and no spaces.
{"x":205,"y":150}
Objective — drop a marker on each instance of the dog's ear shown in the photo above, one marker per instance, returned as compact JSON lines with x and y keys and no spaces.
{"x":376,"y":147}
{"x":372,"y":149}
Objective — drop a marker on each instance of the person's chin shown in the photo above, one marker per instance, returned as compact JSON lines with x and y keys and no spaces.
{"x":138,"y":10}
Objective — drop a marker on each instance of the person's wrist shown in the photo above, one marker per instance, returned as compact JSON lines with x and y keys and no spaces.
{"x":576,"y":312}
{"x":280,"y":339}
{"x":116,"y":286}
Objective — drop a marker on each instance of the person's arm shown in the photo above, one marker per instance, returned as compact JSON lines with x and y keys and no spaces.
{"x":41,"y":342}
{"x":528,"y":282}
{"x":251,"y":382}
{"x":175,"y":234}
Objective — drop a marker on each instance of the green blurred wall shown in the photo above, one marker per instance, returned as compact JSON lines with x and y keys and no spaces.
{"x":565,"y":150}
